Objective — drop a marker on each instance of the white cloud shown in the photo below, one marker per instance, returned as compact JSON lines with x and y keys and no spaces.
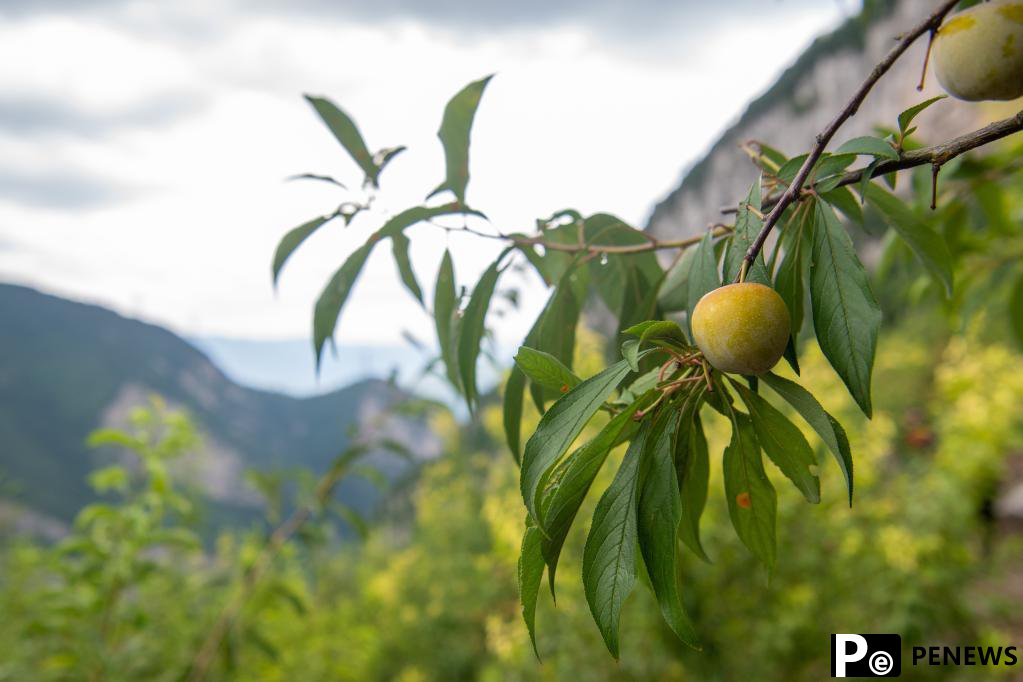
{"x":570,"y":121}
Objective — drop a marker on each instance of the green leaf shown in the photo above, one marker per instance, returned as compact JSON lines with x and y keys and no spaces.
{"x":832,"y":163}
{"x":865,"y":178}
{"x":703,"y":278}
{"x":561,"y":502}
{"x":334,"y":295}
{"x":1016,"y":310}
{"x":907,"y":116}
{"x":560,"y":425}
{"x":659,"y":516}
{"x":658,"y":330}
{"x":399,"y":247}
{"x":454,"y":134}
{"x":928,"y":245}
{"x":622,"y":280}
{"x":692,"y":466}
{"x":826,"y":426}
{"x":471,"y":332}
{"x":385,"y":156}
{"x":869,"y":146}
{"x":789,"y":280}
{"x":514,"y":394}
{"x":609,"y":557}
{"x":674,"y":293}
{"x":752,"y":503}
{"x":555,"y":327}
{"x":444,"y":307}
{"x":530,"y":573}
{"x":630,"y":351}
{"x":639,"y":299}
{"x":747,"y":227}
{"x":790,"y":169}
{"x":319,"y":178}
{"x":545,"y":369}
{"x":291,"y":241}
{"x":346,"y":132}
{"x":846,"y":316}
{"x":784,"y":444}
{"x":842,"y":198}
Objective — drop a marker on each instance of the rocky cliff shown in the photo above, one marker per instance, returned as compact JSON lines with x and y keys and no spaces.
{"x":802,"y":102}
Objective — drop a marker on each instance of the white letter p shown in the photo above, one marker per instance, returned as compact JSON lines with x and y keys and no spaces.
{"x":842,"y":656}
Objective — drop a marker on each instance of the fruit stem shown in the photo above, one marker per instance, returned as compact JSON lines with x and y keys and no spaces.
{"x":927,"y":58}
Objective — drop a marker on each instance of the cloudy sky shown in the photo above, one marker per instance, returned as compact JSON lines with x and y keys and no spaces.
{"x":143,"y":145}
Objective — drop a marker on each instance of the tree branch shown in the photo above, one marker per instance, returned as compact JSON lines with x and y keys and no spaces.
{"x":652,"y":244}
{"x":794,"y":190}
{"x":935,"y":155}
{"x":940,"y":154}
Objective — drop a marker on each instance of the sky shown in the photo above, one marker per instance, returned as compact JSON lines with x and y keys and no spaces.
{"x":144,"y":146}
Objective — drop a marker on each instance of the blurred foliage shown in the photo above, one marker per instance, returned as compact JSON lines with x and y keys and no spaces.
{"x":129,"y":595}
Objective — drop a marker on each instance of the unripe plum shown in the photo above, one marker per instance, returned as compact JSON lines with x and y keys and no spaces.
{"x":742,"y":328}
{"x":978,"y":53}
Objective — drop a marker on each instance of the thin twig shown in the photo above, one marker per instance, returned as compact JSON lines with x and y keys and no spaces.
{"x":793,"y":192}
{"x":229,"y":615}
{"x":652,"y":244}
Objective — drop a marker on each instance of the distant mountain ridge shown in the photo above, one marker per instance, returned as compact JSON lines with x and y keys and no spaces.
{"x":67,"y":368}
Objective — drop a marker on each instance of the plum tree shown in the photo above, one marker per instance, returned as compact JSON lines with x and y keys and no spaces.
{"x":978,"y":53}
{"x":652,"y":398}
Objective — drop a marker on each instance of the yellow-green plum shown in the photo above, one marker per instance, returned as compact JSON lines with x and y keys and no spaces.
{"x":978,"y":53}
{"x":742,"y":328}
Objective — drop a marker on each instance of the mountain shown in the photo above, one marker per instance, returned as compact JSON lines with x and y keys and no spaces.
{"x":802,"y":102}
{"x":67,"y":368}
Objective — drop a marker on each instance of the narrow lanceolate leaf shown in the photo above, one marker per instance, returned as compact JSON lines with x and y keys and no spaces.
{"x":784,"y":444}
{"x":554,"y":330}
{"x":674,"y":294}
{"x":471,"y":332}
{"x":826,"y":426}
{"x":752,"y":503}
{"x":842,"y":198}
{"x":907,"y":116}
{"x":454,"y":133}
{"x":660,"y":512}
{"x":703,"y":277}
{"x":291,"y":241}
{"x":747,"y":227}
{"x":530,"y":573}
{"x":846,"y":316}
{"x":515,"y":388}
{"x":399,"y":247}
{"x":869,"y":146}
{"x":927,"y":244}
{"x":609,"y":557}
{"x":514,"y":394}
{"x":346,"y":132}
{"x":659,"y":331}
{"x":334,"y":295}
{"x":561,"y":502}
{"x":417,"y":214}
{"x":789,"y":279}
{"x":692,"y":466}
{"x":560,"y":425}
{"x":444,"y":308}
{"x":546,"y":370}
